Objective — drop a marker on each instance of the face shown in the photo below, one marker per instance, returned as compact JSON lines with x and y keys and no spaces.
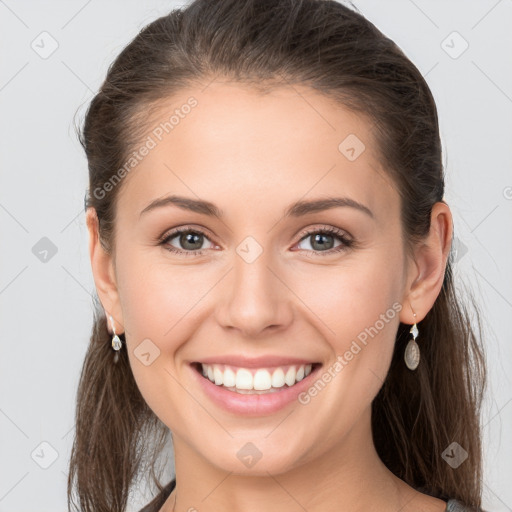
{"x":303,"y":300}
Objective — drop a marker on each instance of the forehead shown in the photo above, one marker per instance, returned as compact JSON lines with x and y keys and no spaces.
{"x":238,"y":144}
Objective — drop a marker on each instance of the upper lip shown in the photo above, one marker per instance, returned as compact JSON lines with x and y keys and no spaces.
{"x":255,"y":362}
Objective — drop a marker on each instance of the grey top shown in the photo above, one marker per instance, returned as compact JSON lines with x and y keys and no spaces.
{"x":457,"y":506}
{"x":157,"y":503}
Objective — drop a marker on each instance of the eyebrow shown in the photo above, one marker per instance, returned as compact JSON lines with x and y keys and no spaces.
{"x":297,"y":209}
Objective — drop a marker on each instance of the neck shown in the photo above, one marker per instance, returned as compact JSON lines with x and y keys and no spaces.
{"x":348,"y":476}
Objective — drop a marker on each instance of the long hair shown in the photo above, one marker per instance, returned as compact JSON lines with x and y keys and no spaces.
{"x":338,"y":52}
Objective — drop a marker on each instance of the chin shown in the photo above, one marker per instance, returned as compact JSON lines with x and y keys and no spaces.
{"x":244,"y":457}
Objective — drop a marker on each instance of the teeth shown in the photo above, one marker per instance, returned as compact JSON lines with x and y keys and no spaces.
{"x":243,"y":380}
{"x":262,"y":380}
{"x":278,"y":378}
{"x":229,"y":379}
{"x":289,"y":378}
{"x":217,"y":375}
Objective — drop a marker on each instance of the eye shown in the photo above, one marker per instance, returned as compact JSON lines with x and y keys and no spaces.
{"x":322,"y":241}
{"x":190,"y":240}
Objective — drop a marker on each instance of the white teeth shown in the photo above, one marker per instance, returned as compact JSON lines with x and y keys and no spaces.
{"x":289,"y":378}
{"x":262,"y":379}
{"x":229,"y":378}
{"x":243,"y":379}
{"x":278,"y":378}
{"x":217,"y":375}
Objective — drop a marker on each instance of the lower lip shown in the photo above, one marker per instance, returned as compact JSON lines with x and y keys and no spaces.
{"x":254,"y":405}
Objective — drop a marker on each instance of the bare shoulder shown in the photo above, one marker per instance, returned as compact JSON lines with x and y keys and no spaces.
{"x":419,"y":502}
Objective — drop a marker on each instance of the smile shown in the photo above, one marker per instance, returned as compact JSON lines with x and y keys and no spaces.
{"x":255,"y":380}
{"x":253,"y":386}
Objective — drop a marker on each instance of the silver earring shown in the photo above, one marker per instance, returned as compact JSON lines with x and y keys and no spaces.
{"x":116,"y":342}
{"x":412,"y":351}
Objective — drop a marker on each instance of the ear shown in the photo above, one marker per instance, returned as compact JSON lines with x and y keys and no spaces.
{"x":103,"y":273}
{"x":426,"y":272}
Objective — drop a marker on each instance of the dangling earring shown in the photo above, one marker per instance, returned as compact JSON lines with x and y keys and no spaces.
{"x":116,"y":342}
{"x":412,"y":351}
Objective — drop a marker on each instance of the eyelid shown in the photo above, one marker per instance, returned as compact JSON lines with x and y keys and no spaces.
{"x":324,"y":228}
{"x":185,"y":228}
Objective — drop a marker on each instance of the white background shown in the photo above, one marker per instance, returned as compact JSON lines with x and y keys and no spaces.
{"x":46,"y":307}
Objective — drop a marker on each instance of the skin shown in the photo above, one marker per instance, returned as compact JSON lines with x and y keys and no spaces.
{"x":253,"y":155}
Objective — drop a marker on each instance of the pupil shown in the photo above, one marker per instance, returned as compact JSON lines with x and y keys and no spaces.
{"x":188,"y":238}
{"x":317,"y":239}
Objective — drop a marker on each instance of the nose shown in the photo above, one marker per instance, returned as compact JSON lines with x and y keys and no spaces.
{"x":254,"y":299}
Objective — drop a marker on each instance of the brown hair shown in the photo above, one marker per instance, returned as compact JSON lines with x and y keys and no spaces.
{"x":336,"y":51}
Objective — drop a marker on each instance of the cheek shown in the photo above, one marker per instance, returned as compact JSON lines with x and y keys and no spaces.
{"x":156,"y":297}
{"x":155,"y":301}
{"x":357,"y":307}
{"x":352,"y":296}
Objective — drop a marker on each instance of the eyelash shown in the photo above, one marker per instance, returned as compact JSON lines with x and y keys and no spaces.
{"x":346,"y":242}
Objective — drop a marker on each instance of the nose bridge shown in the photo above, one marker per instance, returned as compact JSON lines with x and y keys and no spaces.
{"x":254,"y":297}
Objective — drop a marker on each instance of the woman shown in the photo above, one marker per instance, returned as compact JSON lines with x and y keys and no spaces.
{"x":271,"y":250}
